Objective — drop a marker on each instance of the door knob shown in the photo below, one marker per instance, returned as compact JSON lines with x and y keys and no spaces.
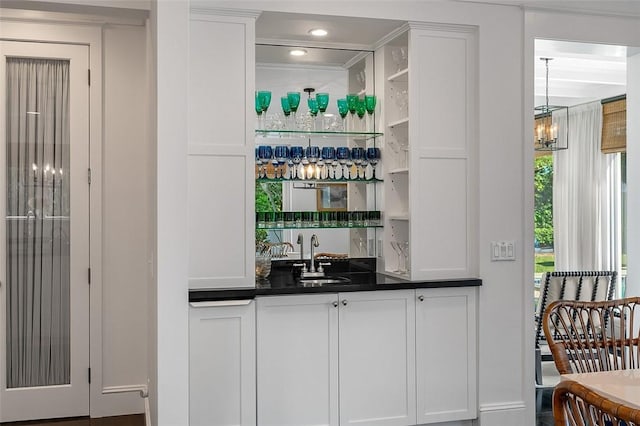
{"x":335,"y":304}
{"x":421,"y":298}
{"x":344,"y":302}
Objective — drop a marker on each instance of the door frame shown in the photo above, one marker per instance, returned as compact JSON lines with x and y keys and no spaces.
{"x":22,"y":26}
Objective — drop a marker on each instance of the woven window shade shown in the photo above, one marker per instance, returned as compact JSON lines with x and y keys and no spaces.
{"x":614,"y":127}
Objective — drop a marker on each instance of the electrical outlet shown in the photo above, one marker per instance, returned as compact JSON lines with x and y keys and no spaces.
{"x":503,"y":250}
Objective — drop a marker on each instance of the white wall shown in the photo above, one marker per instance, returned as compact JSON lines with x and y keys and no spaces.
{"x":633,"y":171}
{"x":126,"y":211}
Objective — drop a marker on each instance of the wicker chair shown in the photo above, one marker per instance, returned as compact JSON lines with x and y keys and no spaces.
{"x":594,"y":336}
{"x":572,"y":286}
{"x":576,"y":405}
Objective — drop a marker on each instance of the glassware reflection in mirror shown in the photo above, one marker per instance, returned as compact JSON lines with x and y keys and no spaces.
{"x":294,"y":101}
{"x":357,"y":155}
{"x":296,"y":153}
{"x":286,"y":110}
{"x":370,"y":105}
{"x":264,"y":97}
{"x":343,"y":110}
{"x":281,"y":155}
{"x":373,"y":156}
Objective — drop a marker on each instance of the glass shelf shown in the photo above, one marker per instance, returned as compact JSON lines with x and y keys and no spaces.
{"x":321,"y":133}
{"x":310,"y":181}
{"x":287,"y":228}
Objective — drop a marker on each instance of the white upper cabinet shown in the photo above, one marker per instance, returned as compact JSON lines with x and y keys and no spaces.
{"x":220,"y":149}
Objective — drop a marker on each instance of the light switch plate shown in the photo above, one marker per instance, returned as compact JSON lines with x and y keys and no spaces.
{"x":503,"y":250}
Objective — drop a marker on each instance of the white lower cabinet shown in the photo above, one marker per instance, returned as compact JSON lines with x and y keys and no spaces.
{"x":331,"y":359}
{"x":297,"y":350}
{"x":446,"y":354}
{"x":222,"y":363}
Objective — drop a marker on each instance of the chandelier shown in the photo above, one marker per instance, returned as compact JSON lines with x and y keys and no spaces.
{"x":547,"y":135}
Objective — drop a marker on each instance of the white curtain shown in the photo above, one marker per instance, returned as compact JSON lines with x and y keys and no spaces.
{"x":37,"y":223}
{"x":586,"y":196}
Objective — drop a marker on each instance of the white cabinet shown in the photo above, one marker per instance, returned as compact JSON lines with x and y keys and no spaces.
{"x":297,"y":349}
{"x":222,"y":371}
{"x":299,"y":358}
{"x":446,"y":354}
{"x":430,"y":148}
{"x":377,"y":358}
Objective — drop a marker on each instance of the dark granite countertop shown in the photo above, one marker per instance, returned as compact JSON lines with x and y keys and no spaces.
{"x":284,"y":280}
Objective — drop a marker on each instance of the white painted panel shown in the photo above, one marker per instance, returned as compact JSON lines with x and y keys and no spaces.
{"x":297,"y":354}
{"x":377,"y":358}
{"x":446,"y":373}
{"x":439,"y":218}
{"x":217,"y":218}
{"x":217,"y":80}
{"x":438,"y":88}
{"x":222,"y":366}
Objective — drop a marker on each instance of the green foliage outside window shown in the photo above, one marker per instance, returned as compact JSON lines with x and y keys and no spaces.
{"x":268,"y":199}
{"x":543,"y":204}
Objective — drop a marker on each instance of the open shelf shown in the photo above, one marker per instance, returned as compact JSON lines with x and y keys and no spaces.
{"x":401,"y":122}
{"x":400,"y":76}
{"x":317,"y":133}
{"x":401,"y":217}
{"x":310,"y":181}
{"x":401,"y":170}
{"x":319,"y":227}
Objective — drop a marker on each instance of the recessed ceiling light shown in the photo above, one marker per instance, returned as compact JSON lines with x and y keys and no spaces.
{"x":297,"y":52}
{"x":318,"y":32}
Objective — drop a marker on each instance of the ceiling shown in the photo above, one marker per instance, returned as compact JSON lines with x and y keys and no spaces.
{"x":579,"y":72}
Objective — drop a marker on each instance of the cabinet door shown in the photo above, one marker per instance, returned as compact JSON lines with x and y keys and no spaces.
{"x":377,"y":358}
{"x":297,"y":351}
{"x":222,"y":363}
{"x":446,"y":350}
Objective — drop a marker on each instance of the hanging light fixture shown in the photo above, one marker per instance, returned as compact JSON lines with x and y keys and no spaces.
{"x":547,"y":135}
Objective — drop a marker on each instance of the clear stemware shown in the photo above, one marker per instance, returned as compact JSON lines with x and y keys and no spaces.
{"x":370,"y":105}
{"x":312,"y":155}
{"x":265,"y":100}
{"x":313,"y":110}
{"x":286,"y":109}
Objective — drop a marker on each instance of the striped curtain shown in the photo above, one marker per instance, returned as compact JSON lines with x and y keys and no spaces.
{"x":37,"y":223}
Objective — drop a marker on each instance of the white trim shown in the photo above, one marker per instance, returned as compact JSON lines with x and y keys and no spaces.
{"x":32,"y":16}
{"x":312,"y":43}
{"x":262,"y":65}
{"x":203,"y":10}
{"x":501,"y":406}
{"x":432,"y":26}
{"x":391,"y":36}
{"x":219,"y":303}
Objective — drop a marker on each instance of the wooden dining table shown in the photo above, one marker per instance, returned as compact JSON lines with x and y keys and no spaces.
{"x":622,"y":386}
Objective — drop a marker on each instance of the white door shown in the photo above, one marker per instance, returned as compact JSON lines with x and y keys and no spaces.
{"x":44,"y":231}
{"x":297,"y":354}
{"x":377,"y":358}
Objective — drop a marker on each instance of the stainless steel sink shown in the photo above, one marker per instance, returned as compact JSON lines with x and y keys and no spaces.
{"x":319,"y":282}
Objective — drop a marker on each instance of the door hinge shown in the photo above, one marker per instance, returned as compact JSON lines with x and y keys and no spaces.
{"x":89,"y":275}
{"x":89,"y":77}
{"x":89,"y":374}
{"x":89,"y":176}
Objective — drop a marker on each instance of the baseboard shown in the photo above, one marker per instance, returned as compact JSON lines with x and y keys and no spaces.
{"x":503,"y":413}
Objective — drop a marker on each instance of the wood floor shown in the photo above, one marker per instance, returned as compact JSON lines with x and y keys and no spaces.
{"x":132,"y":420}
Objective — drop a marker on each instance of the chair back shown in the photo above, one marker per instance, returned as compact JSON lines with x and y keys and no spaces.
{"x":574,"y":404}
{"x":573,"y":285}
{"x":593,"y":336}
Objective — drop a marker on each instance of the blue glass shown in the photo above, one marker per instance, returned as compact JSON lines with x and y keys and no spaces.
{"x":264,"y":155}
{"x":358,"y":157}
{"x":296,"y":153}
{"x":328,"y":156}
{"x":373,"y":155}
{"x":281,"y":155}
{"x":343,"y":155}
{"x":312,"y":153}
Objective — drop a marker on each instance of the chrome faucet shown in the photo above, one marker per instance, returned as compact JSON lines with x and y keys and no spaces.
{"x":299,"y":241}
{"x":314,"y":243}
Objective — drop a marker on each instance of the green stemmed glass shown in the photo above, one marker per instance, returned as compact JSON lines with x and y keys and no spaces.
{"x":323,"y":101}
{"x":361,"y":109}
{"x":370,"y":105}
{"x":286,"y":108}
{"x":294,"y":101}
{"x":343,"y":110}
{"x":258,"y":107}
{"x":352,"y":102}
{"x":265,"y":100}
{"x":313,"y":110}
